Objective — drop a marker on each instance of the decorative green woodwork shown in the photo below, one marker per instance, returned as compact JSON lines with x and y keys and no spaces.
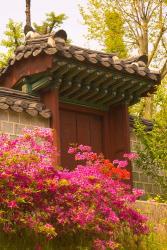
{"x":74,"y":89}
{"x":72,"y":73}
{"x":84,"y":90}
{"x":42,"y":83}
{"x":101,"y":95}
{"x":90,"y":86}
{"x":92,"y":93}
{"x":65,"y":87}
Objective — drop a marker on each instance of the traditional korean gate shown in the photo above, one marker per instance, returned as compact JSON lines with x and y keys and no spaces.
{"x":81,"y":128}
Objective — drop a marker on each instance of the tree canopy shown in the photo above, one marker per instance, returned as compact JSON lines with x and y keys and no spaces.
{"x":13,"y":37}
{"x":105,"y":25}
{"x":140,"y":24}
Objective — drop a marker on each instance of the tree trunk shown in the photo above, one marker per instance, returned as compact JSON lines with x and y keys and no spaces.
{"x":143,"y":40}
{"x":28,"y":12}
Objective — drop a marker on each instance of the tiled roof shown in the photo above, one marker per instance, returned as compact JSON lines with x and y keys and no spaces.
{"x":51,"y":45}
{"x":19,"y":102}
{"x":82,"y":76}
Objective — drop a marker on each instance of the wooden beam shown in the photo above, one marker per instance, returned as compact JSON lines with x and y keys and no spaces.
{"x":83,"y":103}
{"x":74,"y":88}
{"x":142,"y":90}
{"x":92,"y":77}
{"x":74,"y":107}
{"x":83,"y":91}
{"x":65,"y":87}
{"x":112,"y":81}
{"x":82,"y":75}
{"x":101,"y":95}
{"x":117,"y":99}
{"x":109,"y":97}
{"x":103,"y":78}
{"x":63,"y":68}
{"x":91,"y":94}
{"x":135,"y":88}
{"x":127,"y":85}
{"x":42,"y":83}
{"x":74,"y":71}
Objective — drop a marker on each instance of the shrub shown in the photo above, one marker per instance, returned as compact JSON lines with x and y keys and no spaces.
{"x":41,"y":199}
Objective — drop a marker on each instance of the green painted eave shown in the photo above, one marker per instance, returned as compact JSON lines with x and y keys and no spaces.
{"x":89,"y":86}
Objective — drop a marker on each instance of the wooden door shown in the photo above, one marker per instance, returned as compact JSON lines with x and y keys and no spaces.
{"x":81,"y":128}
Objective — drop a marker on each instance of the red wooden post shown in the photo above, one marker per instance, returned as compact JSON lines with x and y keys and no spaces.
{"x":117,"y":136}
{"x":119,"y":125}
{"x":51,"y":100}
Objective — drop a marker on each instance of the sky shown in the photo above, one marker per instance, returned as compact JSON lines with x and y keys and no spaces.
{"x":76,"y":31}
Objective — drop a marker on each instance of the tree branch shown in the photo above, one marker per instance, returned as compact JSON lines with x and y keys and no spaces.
{"x":159,"y":37}
{"x":164,"y":70}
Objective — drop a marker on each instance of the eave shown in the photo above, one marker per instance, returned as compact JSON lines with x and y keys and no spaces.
{"x":88,"y":85}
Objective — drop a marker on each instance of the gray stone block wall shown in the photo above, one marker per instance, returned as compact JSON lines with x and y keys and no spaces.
{"x":13,"y":123}
{"x":140,"y":179}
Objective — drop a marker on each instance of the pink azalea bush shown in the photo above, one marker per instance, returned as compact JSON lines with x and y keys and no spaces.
{"x":37,"y":196}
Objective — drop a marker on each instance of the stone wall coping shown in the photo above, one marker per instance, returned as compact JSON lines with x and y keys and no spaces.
{"x":151,"y":203}
{"x":21,"y":102}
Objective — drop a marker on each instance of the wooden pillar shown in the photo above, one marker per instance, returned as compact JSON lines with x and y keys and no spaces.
{"x":116,"y":132}
{"x":51,"y":100}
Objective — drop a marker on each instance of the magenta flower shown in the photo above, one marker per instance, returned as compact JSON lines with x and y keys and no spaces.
{"x":72,"y":150}
{"x":121,"y":164}
{"x":131,"y":156}
{"x":138,"y":192}
{"x":12,"y":204}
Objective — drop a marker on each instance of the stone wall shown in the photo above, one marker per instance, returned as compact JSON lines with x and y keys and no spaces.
{"x":12,"y":122}
{"x":155,"y":210}
{"x":140,"y":179}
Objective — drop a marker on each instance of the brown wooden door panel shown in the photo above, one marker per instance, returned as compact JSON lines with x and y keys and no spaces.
{"x":83,"y":129}
{"x":96,"y":133}
{"x":68,"y":136}
{"x":80,"y":128}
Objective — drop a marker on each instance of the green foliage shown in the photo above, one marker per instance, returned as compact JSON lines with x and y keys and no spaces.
{"x":153,"y":153}
{"x":51,"y":22}
{"x":114,"y":33}
{"x":156,"y":105}
{"x":4,"y":57}
{"x":73,"y":241}
{"x":13,"y":38}
{"x":104,"y":25}
{"x":154,"y":241}
{"x":13,"y":35}
{"x":160,"y":104}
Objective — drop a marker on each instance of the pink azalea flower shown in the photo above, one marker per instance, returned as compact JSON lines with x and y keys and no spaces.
{"x":138,"y":192}
{"x":121,"y":164}
{"x":12,"y":204}
{"x":71,"y":150}
{"x":131,"y":156}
